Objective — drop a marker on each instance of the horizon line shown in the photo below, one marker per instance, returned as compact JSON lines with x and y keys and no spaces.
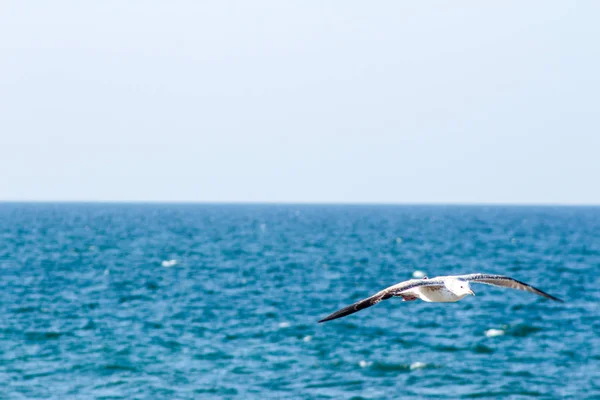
{"x":300,"y":203}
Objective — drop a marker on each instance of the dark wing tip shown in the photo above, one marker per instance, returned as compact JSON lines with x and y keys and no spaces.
{"x":351,"y":309}
{"x":552,"y":297}
{"x":329,"y":318}
{"x":345,"y":311}
{"x":492,"y":280}
{"x":538,"y":291}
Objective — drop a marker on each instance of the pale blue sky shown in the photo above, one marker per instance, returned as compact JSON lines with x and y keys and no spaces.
{"x":296,"y":101}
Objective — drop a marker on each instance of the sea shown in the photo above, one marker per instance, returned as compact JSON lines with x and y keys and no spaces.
{"x":221,"y":301}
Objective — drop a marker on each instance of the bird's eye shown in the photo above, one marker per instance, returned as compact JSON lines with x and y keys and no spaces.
{"x":462,"y":287}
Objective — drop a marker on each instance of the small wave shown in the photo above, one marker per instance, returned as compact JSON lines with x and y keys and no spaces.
{"x":117,"y":382}
{"x":448,"y":348}
{"x":39,"y":374}
{"x":21,"y":310}
{"x":336,"y":383}
{"x":417,"y":365}
{"x":41,"y":336}
{"x":500,"y":394}
{"x":524,"y":330}
{"x":482,"y":349}
{"x":153,"y":325}
{"x":169,"y":263}
{"x":494,"y":332}
{"x":418,"y":274}
{"x":425,"y":324}
{"x":214,"y":355}
{"x":89,"y":325}
{"x":519,"y":374}
{"x":390,"y":367}
{"x":119,"y":367}
{"x":133,"y":297}
{"x":221,"y":391}
{"x":240,"y":370}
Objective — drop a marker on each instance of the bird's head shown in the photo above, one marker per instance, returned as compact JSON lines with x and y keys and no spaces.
{"x":459,"y":287}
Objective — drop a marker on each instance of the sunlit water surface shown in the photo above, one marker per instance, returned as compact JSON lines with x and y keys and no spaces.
{"x":221,"y":301}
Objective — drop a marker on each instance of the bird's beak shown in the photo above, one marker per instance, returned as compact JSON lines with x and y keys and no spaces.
{"x":472,"y":292}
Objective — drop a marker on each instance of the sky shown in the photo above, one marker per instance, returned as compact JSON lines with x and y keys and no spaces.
{"x":300,"y":101}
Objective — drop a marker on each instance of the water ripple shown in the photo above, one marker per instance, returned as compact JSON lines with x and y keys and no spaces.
{"x":221,"y":301}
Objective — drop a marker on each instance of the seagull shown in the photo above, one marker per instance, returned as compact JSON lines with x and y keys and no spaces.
{"x":442,"y":289}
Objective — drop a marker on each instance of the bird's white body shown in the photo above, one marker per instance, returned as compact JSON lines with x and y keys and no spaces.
{"x":432,"y":295}
{"x":453,"y":291}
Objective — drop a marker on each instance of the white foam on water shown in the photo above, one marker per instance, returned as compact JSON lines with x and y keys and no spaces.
{"x":106,"y":271}
{"x":284,"y":324}
{"x":364,"y":364}
{"x":418,"y":274}
{"x":398,"y":240}
{"x":307,"y":338}
{"x":417,"y":365}
{"x":494,"y":332}
{"x":169,"y":263}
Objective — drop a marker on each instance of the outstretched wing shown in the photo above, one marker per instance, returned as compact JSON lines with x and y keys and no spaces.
{"x":505,"y":281}
{"x":382,"y":295}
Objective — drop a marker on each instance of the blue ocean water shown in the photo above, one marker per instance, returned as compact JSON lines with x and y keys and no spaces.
{"x":110,"y":301}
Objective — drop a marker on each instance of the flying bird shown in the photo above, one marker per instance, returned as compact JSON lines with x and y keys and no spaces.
{"x":442,"y":289}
